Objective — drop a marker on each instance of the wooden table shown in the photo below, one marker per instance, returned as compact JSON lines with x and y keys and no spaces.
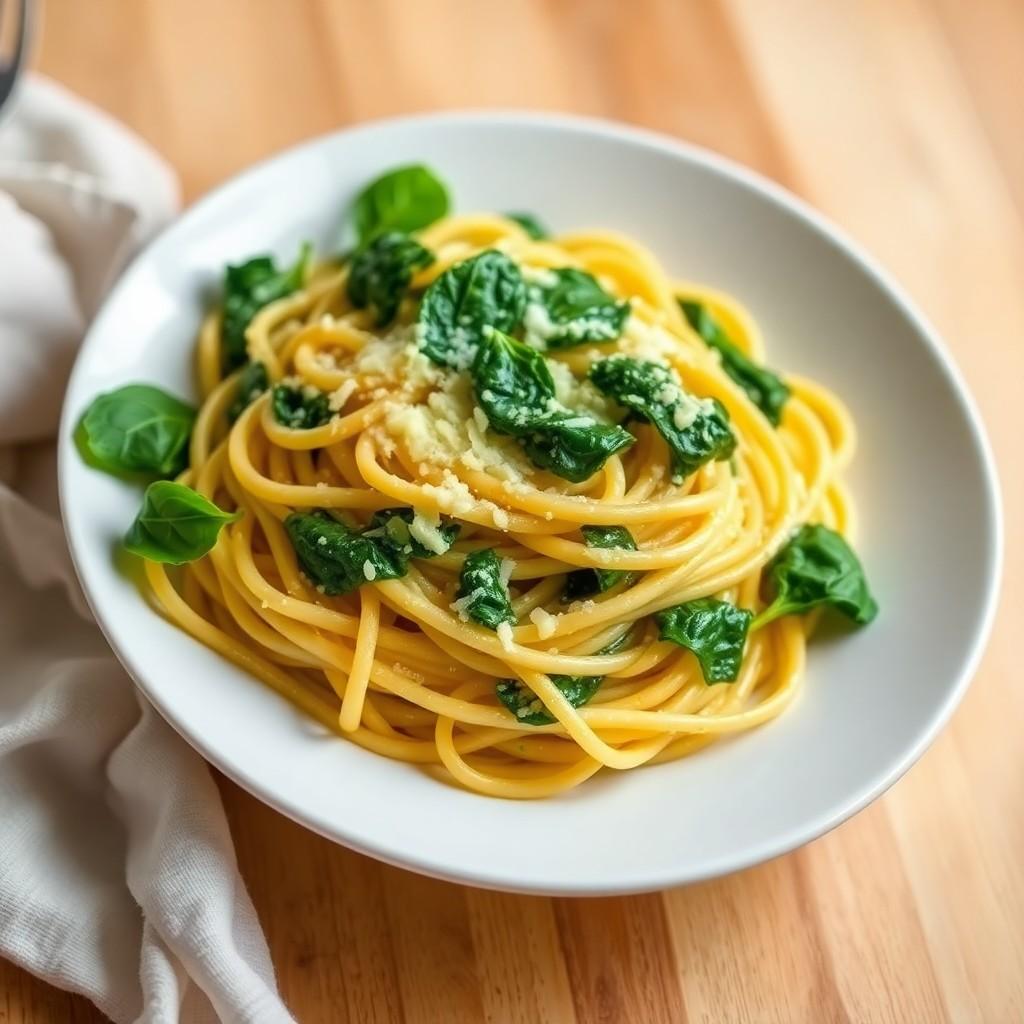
{"x":901,"y":119}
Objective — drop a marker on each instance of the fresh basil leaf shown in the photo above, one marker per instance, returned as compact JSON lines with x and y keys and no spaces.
{"x":715,"y":631}
{"x":175,"y":524}
{"x":531,"y":225}
{"x":250,"y":286}
{"x":485,"y":291}
{"x":484,"y":592}
{"x":817,"y":567}
{"x":515,"y":389}
{"x":765,"y":389}
{"x":528,"y":707}
{"x":338,"y":559}
{"x":583,"y":583}
{"x":137,"y":429}
{"x":574,"y":309}
{"x":381,"y":272}
{"x":405,"y":199}
{"x":252,"y":382}
{"x":696,"y":431}
{"x":394,"y":523}
{"x":300,"y":408}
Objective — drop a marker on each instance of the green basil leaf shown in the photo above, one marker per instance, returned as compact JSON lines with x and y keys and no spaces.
{"x":381,"y":272}
{"x":765,"y":389}
{"x":571,"y":310}
{"x":338,"y":559}
{"x":817,"y":567}
{"x":300,"y":408}
{"x":583,"y":583}
{"x":715,"y":631}
{"x":175,"y":524}
{"x":252,"y":382}
{"x":394,"y":523}
{"x":531,"y":225}
{"x":405,"y":199}
{"x":485,"y":291}
{"x":515,"y":389}
{"x":250,"y":286}
{"x":528,"y":707}
{"x":137,"y":429}
{"x":696,"y":431}
{"x":484,"y":592}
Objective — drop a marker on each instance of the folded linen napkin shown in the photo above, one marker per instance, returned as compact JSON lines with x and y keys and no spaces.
{"x":117,"y":872}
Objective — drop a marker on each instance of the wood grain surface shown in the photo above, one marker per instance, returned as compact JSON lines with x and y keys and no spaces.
{"x":901,"y":120}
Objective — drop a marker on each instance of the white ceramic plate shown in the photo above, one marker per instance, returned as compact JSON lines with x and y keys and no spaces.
{"x":923,"y":479}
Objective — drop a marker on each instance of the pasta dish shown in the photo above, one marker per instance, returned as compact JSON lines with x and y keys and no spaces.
{"x":514,"y":504}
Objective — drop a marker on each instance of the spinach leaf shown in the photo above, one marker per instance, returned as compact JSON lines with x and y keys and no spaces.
{"x":394,"y":523}
{"x":381,"y":272}
{"x":300,"y":408}
{"x":252,"y":382}
{"x":248,"y":287}
{"x":696,"y":431}
{"x":137,"y":429}
{"x":512,"y":383}
{"x":582,"y":583}
{"x":405,"y":199}
{"x":715,"y":631}
{"x":338,"y":559}
{"x":484,"y":594}
{"x":574,"y":446}
{"x":175,"y":524}
{"x":529,"y":223}
{"x":765,"y":389}
{"x":818,"y":567}
{"x":575,"y":310}
{"x":528,"y":707}
{"x":485,"y":291}
{"x":515,"y":389}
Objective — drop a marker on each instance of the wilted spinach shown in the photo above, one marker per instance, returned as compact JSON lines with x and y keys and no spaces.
{"x":252,"y":382}
{"x":531,"y":225}
{"x":715,"y":631}
{"x":248,"y":287}
{"x":583,"y":583}
{"x":576,"y":309}
{"x":528,"y":707}
{"x":300,"y":408}
{"x":339,"y":559}
{"x":485,"y":291}
{"x":517,"y":392}
{"x":394,"y":523}
{"x":484,"y":593}
{"x":765,"y":389}
{"x":381,"y":271}
{"x":695,"y":431}
{"x":817,"y":567}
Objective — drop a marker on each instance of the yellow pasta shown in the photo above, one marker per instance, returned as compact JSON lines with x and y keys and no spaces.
{"x":394,"y":665}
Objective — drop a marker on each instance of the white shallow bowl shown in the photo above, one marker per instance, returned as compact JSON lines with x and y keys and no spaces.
{"x":923,"y":478}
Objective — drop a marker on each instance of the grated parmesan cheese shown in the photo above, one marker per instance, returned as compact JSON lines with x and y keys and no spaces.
{"x":425,"y":528}
{"x":545,"y":622}
{"x":505,"y":636}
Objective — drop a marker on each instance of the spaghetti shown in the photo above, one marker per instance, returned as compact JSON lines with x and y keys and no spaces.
{"x":396,"y":664}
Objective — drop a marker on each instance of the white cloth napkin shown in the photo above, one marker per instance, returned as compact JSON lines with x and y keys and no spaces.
{"x":117,"y":872}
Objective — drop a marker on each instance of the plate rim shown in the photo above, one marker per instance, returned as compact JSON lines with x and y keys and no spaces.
{"x":879,"y":780}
